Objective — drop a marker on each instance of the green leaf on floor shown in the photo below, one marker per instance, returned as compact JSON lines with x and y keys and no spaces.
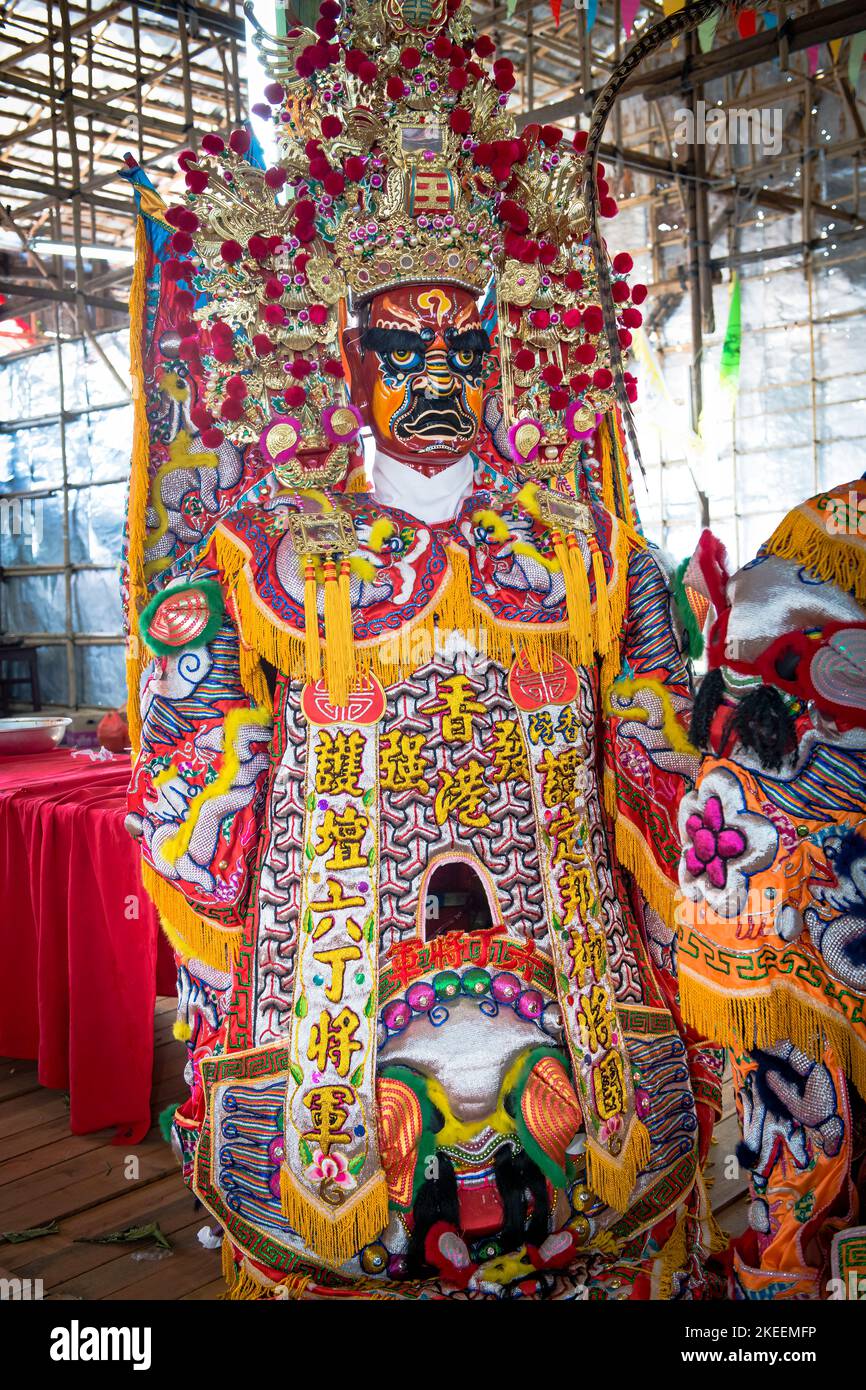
{"x":32,"y":1233}
{"x":130,"y":1236}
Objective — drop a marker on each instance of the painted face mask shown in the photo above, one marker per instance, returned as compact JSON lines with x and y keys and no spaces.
{"x":421,"y":367}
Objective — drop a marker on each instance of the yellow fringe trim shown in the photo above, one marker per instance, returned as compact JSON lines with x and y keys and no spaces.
{"x":744,"y":1022}
{"x":357,"y":481}
{"x":189,"y":933}
{"x":136,"y":660}
{"x":673,"y":730}
{"x":138,"y":482}
{"x":613,"y":1179}
{"x":712,"y":1235}
{"x":672,"y":1258}
{"x":230,"y":1269}
{"x":393,"y":658}
{"x":253,"y":679}
{"x":837,"y":560}
{"x":611,"y":804}
{"x":336,"y":1234}
{"x":241,"y":1286}
{"x":635,"y":855}
{"x":611,"y":667}
{"x":234,"y":721}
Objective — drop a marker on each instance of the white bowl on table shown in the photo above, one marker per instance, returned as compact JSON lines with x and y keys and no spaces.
{"x":31,"y":733}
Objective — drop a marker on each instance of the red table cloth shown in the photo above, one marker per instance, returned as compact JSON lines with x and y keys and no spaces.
{"x":81,"y":954}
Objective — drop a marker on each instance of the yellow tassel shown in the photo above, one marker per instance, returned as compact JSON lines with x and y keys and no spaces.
{"x":627,"y":509}
{"x":339,"y":642}
{"x":602,"y":624}
{"x":312,"y":646}
{"x":607,"y":493}
{"x":336,"y":1234}
{"x":745,"y":1022}
{"x":189,"y":933}
{"x":181,"y":1031}
{"x":613,"y":1179}
{"x":577,"y":595}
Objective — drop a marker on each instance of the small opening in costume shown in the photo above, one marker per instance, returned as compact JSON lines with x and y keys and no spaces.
{"x":456,"y":901}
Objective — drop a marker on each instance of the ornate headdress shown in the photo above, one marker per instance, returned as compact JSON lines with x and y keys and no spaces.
{"x":398,"y":163}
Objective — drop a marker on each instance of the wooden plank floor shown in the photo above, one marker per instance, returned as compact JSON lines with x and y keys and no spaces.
{"x":48,"y":1174}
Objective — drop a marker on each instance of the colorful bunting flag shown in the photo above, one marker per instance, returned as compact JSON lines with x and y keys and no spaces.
{"x":812,"y":54}
{"x":628,"y":10}
{"x":672,"y":7}
{"x":855,"y":58}
{"x":729,"y":370}
{"x":707,"y":32}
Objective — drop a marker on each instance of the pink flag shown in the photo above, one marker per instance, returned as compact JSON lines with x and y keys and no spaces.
{"x":628,"y":9}
{"x":812,"y":53}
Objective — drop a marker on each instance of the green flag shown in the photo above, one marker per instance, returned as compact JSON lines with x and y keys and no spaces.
{"x":729,"y":372}
{"x":707,"y":32}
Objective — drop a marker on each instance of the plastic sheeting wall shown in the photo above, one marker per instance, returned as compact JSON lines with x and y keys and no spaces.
{"x":65,"y":438}
{"x":797,"y":423}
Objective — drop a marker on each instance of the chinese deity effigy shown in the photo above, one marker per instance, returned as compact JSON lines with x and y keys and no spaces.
{"x":411,"y":736}
{"x":772,"y":923}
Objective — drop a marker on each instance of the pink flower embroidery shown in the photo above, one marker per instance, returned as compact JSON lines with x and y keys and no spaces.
{"x":331,"y":1167}
{"x":712,"y":843}
{"x":724,"y":844}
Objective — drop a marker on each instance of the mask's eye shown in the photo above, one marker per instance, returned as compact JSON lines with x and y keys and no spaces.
{"x":404,"y":359}
{"x":464,"y":360}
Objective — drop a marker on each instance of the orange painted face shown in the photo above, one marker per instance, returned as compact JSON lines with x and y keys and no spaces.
{"x":420,"y":366}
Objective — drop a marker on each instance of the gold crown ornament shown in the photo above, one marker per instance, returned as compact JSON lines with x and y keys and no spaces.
{"x":398,"y":163}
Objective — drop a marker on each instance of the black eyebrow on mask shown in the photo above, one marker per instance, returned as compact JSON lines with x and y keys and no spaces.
{"x":470,"y":340}
{"x":383,"y":340}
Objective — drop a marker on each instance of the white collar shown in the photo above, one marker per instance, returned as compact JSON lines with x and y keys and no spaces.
{"x":432,"y":499}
